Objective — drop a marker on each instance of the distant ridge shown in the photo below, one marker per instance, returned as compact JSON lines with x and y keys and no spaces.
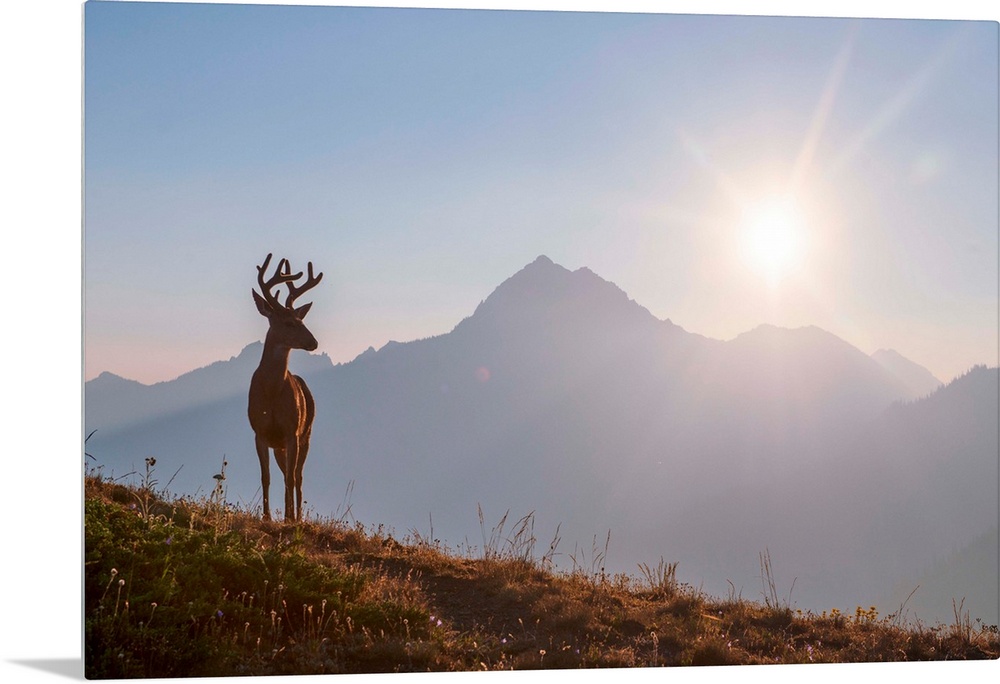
{"x":111,"y":401}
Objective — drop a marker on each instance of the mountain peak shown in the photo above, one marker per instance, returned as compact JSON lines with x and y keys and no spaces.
{"x":109,"y":378}
{"x":541,"y":268}
{"x":253,"y":349}
{"x":544,"y":293}
{"x":771,"y":333}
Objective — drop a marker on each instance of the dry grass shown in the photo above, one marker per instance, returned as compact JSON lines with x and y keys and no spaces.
{"x":184,"y":588}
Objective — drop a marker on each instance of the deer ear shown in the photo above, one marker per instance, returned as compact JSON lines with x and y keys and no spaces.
{"x":262,"y":306}
{"x":303,"y":310}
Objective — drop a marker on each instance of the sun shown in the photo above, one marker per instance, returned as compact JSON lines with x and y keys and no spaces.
{"x":772,"y":238}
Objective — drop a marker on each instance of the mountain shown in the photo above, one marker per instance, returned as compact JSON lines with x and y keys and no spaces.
{"x":883,"y":509}
{"x":560,"y":395}
{"x":918,"y":379}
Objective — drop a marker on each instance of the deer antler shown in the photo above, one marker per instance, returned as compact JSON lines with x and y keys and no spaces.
{"x":281,"y":275}
{"x":295,"y":290}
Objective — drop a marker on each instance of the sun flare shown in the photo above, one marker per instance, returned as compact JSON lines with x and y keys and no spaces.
{"x":772,"y":239}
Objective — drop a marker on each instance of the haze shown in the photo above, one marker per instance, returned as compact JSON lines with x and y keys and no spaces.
{"x":420,"y":157}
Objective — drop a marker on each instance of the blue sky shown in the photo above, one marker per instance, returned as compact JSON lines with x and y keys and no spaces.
{"x":420,"y":157}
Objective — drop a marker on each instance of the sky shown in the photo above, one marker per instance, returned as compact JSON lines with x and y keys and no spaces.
{"x":420,"y":157}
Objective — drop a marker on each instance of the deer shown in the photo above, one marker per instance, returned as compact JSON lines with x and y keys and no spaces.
{"x":280,"y":407}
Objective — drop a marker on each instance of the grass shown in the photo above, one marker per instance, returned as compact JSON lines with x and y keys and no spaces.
{"x":182,"y":587}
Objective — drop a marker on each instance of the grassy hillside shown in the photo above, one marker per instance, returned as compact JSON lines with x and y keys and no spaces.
{"x":177,"y":587}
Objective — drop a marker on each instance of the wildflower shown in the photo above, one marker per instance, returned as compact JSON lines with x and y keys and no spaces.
{"x":170,"y":540}
{"x":218,"y":614}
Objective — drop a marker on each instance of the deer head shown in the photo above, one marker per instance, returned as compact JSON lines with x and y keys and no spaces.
{"x":286,"y":326}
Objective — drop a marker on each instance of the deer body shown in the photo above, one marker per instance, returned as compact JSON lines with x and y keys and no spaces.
{"x":280,"y":406}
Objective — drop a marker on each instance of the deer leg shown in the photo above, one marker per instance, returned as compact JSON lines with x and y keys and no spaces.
{"x":279,"y":458}
{"x":265,"y":473}
{"x":299,"y":464}
{"x":291,"y":467}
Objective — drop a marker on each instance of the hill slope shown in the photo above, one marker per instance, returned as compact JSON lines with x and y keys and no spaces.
{"x":198,"y":588}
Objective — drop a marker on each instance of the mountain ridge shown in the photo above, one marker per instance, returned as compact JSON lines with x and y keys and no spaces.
{"x":212,"y":382}
{"x":536,"y":277}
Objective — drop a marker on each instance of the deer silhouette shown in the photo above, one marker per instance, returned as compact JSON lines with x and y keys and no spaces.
{"x":281,"y":408}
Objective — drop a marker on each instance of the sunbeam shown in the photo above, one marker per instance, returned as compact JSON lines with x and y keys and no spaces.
{"x":898,"y":104}
{"x":822,"y":113}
